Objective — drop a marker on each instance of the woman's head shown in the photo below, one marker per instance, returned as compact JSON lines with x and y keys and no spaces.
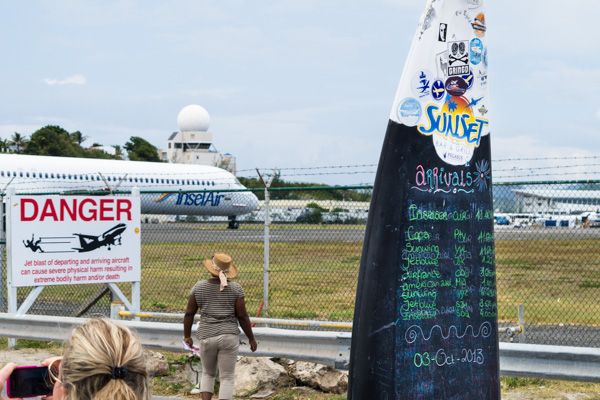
{"x":222,"y":267}
{"x":104,"y":360}
{"x":221,"y":264}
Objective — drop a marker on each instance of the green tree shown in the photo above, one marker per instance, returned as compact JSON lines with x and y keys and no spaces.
{"x":320,"y":191}
{"x":311,"y":216}
{"x":78,"y":137}
{"x":139,"y":149}
{"x":4,"y":145}
{"x":118,"y":151}
{"x":52,"y":140}
{"x":315,"y":206}
{"x":19,"y":141}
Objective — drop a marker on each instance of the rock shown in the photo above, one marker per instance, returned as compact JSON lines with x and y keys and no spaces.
{"x":195,"y":390}
{"x":193,"y":370}
{"x":254,"y":374}
{"x":179,"y":374}
{"x":263,"y":394}
{"x":156,"y":364}
{"x":319,"y":376}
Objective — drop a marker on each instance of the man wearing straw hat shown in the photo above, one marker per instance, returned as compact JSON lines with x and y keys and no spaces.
{"x":221,"y":304}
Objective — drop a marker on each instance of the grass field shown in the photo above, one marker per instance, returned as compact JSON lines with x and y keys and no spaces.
{"x":315,"y":280}
{"x":557,"y":280}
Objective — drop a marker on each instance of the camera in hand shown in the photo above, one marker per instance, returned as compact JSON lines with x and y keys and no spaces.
{"x":29,"y":382}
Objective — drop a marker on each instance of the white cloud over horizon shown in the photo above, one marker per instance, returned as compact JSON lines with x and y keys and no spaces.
{"x":73,"y":79}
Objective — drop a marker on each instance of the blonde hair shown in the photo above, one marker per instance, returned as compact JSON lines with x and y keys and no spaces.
{"x":94,"y":349}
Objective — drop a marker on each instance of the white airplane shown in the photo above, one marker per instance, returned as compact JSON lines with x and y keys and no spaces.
{"x":173,"y":189}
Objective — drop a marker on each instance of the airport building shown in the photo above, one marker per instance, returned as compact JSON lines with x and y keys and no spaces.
{"x":557,"y":202}
{"x":193,"y":143}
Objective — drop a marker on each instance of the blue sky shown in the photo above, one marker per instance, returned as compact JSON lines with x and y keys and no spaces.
{"x":294,"y":84}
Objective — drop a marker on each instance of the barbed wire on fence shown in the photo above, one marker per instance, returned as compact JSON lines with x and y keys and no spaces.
{"x":518,"y":171}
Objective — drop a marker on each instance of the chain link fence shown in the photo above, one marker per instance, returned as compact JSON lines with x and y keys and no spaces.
{"x":548,"y":258}
{"x":304,"y":263}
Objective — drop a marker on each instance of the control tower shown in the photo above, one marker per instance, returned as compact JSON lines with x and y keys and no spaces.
{"x":193,"y":143}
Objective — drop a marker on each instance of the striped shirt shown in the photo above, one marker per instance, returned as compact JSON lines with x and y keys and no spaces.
{"x":216,"y":308}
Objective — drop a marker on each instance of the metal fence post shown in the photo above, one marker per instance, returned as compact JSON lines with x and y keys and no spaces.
{"x":266,"y":245}
{"x":521,"y":324}
{"x":2,"y":248}
{"x":11,"y":295}
{"x":135,"y":286}
{"x":266,"y":266}
{"x":11,"y":291}
{"x":115,"y":307}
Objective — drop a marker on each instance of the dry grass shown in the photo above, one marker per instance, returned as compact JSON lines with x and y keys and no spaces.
{"x":558,"y":281}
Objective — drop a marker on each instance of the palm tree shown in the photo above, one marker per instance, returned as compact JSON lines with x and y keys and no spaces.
{"x":19,"y":141}
{"x":118,"y":151}
{"x":77,"y":137}
{"x":3,"y":145}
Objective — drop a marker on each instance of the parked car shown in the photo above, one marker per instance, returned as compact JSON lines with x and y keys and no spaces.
{"x":502,"y":220}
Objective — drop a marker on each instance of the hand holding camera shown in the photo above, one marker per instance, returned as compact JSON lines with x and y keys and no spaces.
{"x":29,"y":381}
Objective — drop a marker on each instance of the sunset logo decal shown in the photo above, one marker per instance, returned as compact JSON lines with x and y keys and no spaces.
{"x":454,"y":120}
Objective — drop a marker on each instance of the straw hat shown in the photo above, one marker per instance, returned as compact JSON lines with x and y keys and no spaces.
{"x":221,"y":262}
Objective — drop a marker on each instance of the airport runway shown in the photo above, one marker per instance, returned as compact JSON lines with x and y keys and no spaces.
{"x":192,"y":233}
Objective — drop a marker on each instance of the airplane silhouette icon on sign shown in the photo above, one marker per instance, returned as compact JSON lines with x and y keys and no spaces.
{"x":111,"y":237}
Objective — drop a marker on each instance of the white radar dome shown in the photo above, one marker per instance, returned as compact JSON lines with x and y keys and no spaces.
{"x":193,"y":118}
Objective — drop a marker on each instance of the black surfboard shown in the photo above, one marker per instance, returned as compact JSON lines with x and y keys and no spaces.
{"x":425,"y":322}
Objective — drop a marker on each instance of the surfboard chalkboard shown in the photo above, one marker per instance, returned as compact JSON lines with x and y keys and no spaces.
{"x":425,"y":322}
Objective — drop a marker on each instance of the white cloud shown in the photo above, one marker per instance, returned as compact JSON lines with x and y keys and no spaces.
{"x":541,"y":28}
{"x":133,"y":13}
{"x":7,"y":130}
{"x":318,"y":46}
{"x":292,"y":7}
{"x":291,"y":139}
{"x":50,"y":120}
{"x":74,"y":80}
{"x":109,"y":135}
{"x":598,"y":113}
{"x":532,"y":158}
{"x":570,"y":80}
{"x":219,"y":93}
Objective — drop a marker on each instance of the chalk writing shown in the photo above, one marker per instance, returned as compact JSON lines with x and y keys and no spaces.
{"x":485,"y":237}
{"x":488,"y":292}
{"x":415,"y":331}
{"x":435,"y":177}
{"x":462,"y":237}
{"x":443,"y":357}
{"x":447,"y":284}
{"x":411,"y":234}
{"x":418,"y":214}
{"x":484,"y":214}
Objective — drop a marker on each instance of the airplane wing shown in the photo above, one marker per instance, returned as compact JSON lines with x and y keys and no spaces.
{"x":82,"y":236}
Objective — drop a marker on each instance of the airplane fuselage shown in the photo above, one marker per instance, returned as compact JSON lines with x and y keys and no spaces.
{"x":176,"y":189}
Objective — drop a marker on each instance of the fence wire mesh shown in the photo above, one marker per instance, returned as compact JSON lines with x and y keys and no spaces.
{"x":547,"y":258}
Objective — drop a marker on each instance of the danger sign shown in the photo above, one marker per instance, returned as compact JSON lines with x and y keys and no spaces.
{"x":54,"y":240}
